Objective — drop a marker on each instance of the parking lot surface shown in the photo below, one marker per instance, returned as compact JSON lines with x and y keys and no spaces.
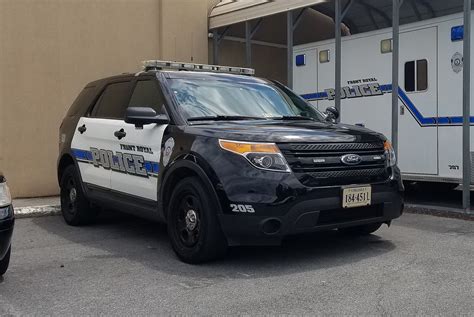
{"x":124,"y":265}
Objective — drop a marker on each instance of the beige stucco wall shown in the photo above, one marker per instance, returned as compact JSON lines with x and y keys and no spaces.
{"x":49,"y":49}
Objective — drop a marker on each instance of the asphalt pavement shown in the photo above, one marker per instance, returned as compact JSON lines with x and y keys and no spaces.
{"x":421,"y":265}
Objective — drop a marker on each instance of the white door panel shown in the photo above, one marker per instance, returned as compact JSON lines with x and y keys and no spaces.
{"x":418,"y":132}
{"x":98,"y":134}
{"x":141,"y":150}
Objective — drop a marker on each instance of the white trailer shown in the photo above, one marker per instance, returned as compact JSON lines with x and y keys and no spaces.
{"x":430,"y":102}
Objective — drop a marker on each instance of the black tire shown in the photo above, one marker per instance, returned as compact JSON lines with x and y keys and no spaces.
{"x":193,"y":227}
{"x":363,"y":230}
{"x":5,"y":262}
{"x":75,"y":207}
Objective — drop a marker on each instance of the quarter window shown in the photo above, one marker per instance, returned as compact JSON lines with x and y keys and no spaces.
{"x":147,"y":94}
{"x":113,"y":101}
{"x":416,"y":75}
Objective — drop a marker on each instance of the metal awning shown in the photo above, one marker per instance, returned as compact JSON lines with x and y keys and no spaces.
{"x":364,"y":15}
{"x":230,"y":12}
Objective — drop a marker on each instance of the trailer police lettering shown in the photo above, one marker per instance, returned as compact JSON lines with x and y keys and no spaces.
{"x":356,"y":91}
{"x":121,"y":162}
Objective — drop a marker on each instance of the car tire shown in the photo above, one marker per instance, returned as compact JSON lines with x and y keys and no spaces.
{"x":75,"y":207}
{"x":363,"y":230}
{"x":193,"y":227}
{"x":5,"y":262}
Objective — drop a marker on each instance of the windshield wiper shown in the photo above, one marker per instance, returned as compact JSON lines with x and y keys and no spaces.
{"x":224,"y":118}
{"x":292,"y":118}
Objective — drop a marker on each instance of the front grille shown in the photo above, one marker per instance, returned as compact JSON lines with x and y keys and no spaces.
{"x":319,"y":164}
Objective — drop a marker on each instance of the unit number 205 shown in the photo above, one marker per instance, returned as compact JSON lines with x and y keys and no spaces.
{"x":242,"y":208}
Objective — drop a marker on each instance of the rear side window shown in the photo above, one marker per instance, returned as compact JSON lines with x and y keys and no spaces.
{"x":113,"y":101}
{"x":83,"y":101}
{"x":147,"y":93}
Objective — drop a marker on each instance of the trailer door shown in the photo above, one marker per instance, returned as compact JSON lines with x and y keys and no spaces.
{"x":305,"y":72}
{"x":418,"y":103}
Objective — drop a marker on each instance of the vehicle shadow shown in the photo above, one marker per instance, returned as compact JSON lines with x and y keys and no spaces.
{"x":145,"y":242}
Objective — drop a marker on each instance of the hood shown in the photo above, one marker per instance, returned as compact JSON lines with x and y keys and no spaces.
{"x":284,"y":131}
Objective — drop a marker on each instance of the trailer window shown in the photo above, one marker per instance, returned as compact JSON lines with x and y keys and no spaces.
{"x":409,"y":76}
{"x":421,"y":74}
{"x":416,"y":75}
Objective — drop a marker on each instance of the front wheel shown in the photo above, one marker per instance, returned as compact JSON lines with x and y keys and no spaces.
{"x":363,"y":230}
{"x":5,"y":262}
{"x":193,"y":227}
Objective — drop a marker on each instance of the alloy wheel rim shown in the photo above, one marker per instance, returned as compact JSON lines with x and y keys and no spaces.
{"x":188,"y":222}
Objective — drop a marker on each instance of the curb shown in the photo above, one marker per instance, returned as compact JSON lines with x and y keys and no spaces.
{"x":445,"y":212}
{"x":37,"y":211}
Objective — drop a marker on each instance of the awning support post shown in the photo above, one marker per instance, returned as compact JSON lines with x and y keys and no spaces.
{"x":338,"y":70}
{"x":338,"y":17}
{"x":466,"y":113}
{"x":248,"y":44}
{"x":289,"y":49}
{"x":215,"y":47}
{"x":395,"y":62}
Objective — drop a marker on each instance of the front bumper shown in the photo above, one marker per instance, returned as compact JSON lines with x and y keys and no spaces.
{"x":6,"y":232}
{"x":310,"y":211}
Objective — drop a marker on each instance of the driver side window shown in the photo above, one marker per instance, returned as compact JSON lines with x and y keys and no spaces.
{"x":147,"y":93}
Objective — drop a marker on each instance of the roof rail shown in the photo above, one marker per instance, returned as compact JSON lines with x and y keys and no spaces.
{"x":162,"y":65}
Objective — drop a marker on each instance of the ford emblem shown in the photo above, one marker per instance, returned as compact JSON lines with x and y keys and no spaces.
{"x":351,"y":159}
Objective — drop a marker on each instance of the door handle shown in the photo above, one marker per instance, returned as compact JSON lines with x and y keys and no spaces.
{"x":402,"y":110}
{"x":82,"y":129}
{"x":120,"y":134}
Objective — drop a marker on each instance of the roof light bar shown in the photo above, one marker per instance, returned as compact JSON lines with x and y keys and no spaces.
{"x":161,"y":65}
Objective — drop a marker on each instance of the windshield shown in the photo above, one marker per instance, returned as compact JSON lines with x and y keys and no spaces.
{"x":213,"y":98}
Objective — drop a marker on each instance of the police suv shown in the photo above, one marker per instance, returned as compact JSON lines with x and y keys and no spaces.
{"x":223,"y":158}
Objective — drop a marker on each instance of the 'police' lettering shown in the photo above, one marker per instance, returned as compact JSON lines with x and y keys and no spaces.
{"x":356,"y":91}
{"x":120,"y":162}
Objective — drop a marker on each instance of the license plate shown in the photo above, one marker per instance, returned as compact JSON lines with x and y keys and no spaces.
{"x":356,"y":197}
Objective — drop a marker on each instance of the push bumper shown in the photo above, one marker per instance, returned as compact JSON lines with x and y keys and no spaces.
{"x":314,"y":211}
{"x":6,"y":232}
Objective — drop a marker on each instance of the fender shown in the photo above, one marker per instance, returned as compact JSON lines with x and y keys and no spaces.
{"x":78,"y":171}
{"x":188,"y":161}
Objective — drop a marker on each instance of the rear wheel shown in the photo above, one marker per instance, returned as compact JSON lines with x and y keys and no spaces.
{"x":361,"y":230}
{"x":5,"y":262}
{"x":193,"y":226}
{"x":75,"y":207}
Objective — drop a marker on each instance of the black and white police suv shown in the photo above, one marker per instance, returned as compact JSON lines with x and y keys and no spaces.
{"x":223,"y":158}
{"x":7,"y":221}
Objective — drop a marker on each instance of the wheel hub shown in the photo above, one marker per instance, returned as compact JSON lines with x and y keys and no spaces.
{"x":191,"y":220}
{"x":72,"y":195}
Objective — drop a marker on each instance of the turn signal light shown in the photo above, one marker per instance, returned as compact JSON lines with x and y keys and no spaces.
{"x":247,"y":147}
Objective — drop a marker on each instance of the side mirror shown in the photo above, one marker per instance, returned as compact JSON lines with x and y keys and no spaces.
{"x":332,"y":114}
{"x":139,"y":116}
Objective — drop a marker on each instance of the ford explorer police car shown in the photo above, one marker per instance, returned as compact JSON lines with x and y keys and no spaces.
{"x":224,"y":158}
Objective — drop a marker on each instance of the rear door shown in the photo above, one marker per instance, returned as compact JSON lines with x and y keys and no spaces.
{"x":94,"y":136}
{"x":418,"y":104}
{"x":140,"y":147}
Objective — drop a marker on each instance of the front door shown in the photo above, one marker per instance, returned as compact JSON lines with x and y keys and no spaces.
{"x":140,"y":148}
{"x":418,"y":102}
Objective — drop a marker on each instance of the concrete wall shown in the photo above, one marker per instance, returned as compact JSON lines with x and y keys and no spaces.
{"x":49,"y":49}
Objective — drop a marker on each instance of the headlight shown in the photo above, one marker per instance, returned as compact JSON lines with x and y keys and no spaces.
{"x":5,"y":197}
{"x":390,"y":154}
{"x":264,"y":156}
